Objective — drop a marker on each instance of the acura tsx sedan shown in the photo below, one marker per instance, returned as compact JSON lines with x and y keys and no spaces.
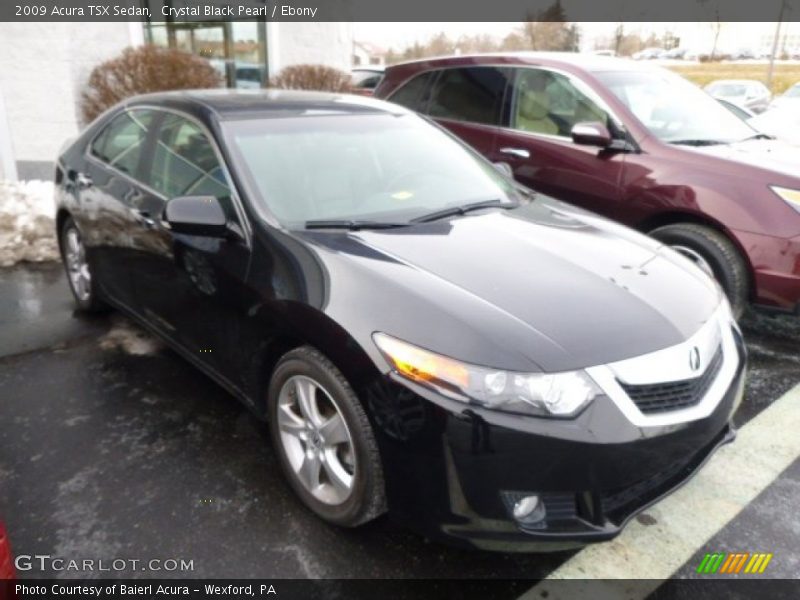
{"x":423,"y":335}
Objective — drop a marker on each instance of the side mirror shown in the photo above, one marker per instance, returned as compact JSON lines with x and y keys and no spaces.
{"x":196,"y":215}
{"x":591,"y":133}
{"x":504,"y":168}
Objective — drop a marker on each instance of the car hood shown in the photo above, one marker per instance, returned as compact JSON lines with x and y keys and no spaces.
{"x":773,"y":155}
{"x":561,"y":286}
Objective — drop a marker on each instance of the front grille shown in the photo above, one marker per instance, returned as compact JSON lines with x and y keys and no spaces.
{"x":673,"y":395}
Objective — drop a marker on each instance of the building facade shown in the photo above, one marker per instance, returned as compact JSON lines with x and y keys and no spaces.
{"x":45,"y":66}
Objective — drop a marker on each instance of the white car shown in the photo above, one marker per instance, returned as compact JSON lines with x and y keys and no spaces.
{"x":789,"y":98}
{"x":782,"y":123}
{"x":747,"y":93}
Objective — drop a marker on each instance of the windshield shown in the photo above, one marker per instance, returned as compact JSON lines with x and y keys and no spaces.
{"x":673,"y":109}
{"x":376,"y":167}
{"x":793,"y":92}
{"x":727,"y":90}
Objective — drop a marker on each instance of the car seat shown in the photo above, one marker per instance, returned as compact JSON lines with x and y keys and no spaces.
{"x":533,"y":113}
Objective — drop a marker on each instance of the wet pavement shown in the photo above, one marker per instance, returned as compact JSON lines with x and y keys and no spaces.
{"x":111,"y":446}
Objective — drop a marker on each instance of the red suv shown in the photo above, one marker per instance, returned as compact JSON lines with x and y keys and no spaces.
{"x":636,"y":143}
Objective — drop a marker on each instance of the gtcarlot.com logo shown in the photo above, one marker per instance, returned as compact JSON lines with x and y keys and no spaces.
{"x":731,"y":563}
{"x":47,"y":562}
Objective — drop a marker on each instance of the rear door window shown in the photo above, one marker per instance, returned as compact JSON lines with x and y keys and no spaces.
{"x":122,"y":142}
{"x":472,"y":94}
{"x":412,"y":94}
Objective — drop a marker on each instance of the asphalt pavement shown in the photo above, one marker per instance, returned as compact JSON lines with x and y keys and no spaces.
{"x":113,"y":446}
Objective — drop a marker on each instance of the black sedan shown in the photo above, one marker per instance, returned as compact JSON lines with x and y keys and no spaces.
{"x":423,"y":335}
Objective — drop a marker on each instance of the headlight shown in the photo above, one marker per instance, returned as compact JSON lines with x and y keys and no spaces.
{"x":791,"y":197}
{"x":541,"y":394}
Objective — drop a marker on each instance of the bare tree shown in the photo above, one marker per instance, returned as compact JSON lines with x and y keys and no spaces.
{"x":549,"y":30}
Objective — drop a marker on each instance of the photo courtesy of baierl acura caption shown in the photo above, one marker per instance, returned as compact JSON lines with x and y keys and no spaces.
{"x":424,"y":336}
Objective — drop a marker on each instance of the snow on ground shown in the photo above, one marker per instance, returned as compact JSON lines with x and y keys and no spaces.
{"x":27,"y":230}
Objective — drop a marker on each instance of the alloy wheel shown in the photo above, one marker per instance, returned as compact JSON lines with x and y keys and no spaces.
{"x":316,"y":440}
{"x":80,"y":278}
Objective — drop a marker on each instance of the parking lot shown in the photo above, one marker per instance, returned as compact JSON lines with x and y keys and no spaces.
{"x":113,"y":446}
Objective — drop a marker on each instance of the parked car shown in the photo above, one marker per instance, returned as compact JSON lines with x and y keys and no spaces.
{"x":249,"y":76}
{"x":744,"y":54}
{"x":649,"y":54}
{"x":365,"y":80}
{"x":782,"y":123}
{"x":676,"y":53}
{"x":750,"y":94}
{"x":633,"y":142}
{"x":789,"y":99}
{"x":418,"y":329}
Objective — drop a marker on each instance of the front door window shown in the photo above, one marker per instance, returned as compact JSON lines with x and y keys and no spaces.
{"x":551,"y":103}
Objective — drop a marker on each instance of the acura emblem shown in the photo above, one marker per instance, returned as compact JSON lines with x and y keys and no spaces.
{"x":694,"y":359}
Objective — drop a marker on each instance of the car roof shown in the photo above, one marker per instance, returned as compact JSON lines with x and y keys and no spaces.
{"x":587,"y":62}
{"x":230,"y":104}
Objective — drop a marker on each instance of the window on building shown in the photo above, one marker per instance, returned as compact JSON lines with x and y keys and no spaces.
{"x":238,"y":50}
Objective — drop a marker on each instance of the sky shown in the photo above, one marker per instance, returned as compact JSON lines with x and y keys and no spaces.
{"x":402,"y":35}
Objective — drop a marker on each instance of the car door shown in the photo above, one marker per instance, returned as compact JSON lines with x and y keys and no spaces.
{"x":191,"y":287}
{"x":469,"y":101}
{"x":536,"y":141}
{"x":108,"y":188}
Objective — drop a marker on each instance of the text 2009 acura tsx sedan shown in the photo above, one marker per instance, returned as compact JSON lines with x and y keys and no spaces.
{"x":423,"y":335}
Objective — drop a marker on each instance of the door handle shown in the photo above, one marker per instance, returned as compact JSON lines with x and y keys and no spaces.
{"x":83,"y":180}
{"x":518,"y":152}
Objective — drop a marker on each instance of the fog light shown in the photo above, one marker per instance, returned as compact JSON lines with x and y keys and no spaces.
{"x":529,"y":510}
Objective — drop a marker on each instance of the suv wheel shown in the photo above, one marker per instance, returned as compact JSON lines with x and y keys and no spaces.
{"x":713,"y":253}
{"x":324,"y":440}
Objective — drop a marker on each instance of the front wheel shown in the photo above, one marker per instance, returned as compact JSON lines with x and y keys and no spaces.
{"x":324,"y":440}
{"x":715,"y":254}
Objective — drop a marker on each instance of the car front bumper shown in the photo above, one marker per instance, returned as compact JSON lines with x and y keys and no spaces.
{"x":776,"y":270}
{"x":454,"y":472}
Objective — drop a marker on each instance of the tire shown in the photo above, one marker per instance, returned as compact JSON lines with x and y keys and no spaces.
{"x":321,"y":451}
{"x":717,"y":251}
{"x":78,"y":269}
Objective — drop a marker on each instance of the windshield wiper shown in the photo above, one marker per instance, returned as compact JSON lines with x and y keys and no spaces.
{"x":758,"y":136}
{"x":351,"y":224}
{"x":464,"y":209}
{"x":698,"y":142}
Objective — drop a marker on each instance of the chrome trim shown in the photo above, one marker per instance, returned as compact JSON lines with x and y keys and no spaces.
{"x":673,"y":364}
{"x":511,"y":87}
{"x":237,"y":203}
{"x":518,"y":152}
